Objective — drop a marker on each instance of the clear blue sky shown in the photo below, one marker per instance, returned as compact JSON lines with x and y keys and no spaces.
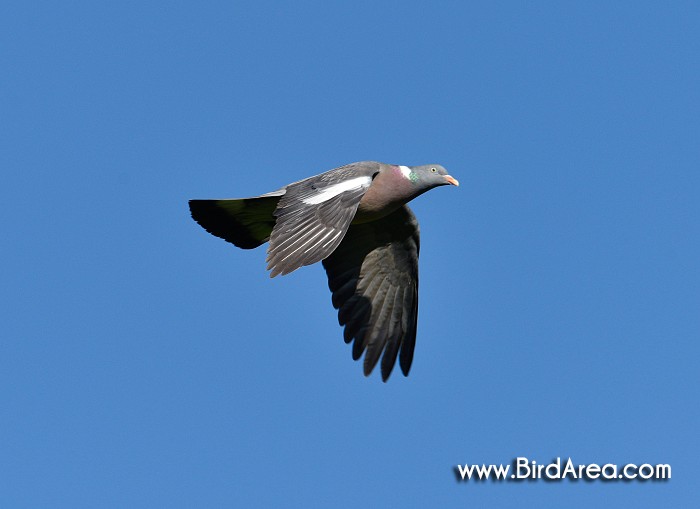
{"x":145,"y":363}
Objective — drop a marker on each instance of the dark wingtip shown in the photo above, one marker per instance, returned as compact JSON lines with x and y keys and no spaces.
{"x":387,"y":368}
{"x":405,"y":365}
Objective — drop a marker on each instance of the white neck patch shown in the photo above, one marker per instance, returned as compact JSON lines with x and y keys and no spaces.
{"x":406,"y":172}
{"x":335,"y":189}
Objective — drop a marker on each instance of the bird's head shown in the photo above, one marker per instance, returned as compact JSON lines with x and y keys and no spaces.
{"x":427,"y":176}
{"x":431,"y":175}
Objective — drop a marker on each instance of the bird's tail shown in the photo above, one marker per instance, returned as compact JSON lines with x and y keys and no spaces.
{"x":246,"y":223}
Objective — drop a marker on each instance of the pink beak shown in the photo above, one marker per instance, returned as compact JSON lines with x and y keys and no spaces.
{"x":452,"y":180}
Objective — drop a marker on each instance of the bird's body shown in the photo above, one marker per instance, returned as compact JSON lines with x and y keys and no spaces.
{"x":354,"y":219}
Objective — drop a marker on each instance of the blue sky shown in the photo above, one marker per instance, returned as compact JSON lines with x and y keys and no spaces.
{"x":146,"y":363}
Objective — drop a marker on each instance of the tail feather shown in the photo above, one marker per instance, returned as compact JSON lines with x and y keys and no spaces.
{"x":246,"y":223}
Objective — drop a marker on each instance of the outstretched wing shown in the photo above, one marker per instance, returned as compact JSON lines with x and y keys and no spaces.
{"x":313,"y":216}
{"x":373,"y":275}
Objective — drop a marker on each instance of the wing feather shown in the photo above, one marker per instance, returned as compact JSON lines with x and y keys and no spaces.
{"x":314,"y":215}
{"x":373,"y":277}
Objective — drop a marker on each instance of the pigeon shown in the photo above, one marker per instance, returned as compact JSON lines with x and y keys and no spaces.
{"x":354,"y":219}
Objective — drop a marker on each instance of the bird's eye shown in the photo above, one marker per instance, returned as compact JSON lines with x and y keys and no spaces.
{"x":433,"y":170}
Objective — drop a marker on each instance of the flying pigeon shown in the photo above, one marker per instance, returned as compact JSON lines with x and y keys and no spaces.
{"x":354,"y":219}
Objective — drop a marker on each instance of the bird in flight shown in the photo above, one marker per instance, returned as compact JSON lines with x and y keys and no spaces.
{"x":354,"y":219}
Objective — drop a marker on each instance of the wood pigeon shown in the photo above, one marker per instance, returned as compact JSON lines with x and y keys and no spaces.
{"x":355,"y":220}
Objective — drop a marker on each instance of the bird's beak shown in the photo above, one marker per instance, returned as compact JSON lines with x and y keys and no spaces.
{"x":452,"y":180}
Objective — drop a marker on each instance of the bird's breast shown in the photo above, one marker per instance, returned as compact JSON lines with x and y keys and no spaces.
{"x":383,"y":197}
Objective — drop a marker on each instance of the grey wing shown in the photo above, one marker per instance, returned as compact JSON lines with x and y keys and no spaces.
{"x":373,"y":275}
{"x":313,"y":217}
